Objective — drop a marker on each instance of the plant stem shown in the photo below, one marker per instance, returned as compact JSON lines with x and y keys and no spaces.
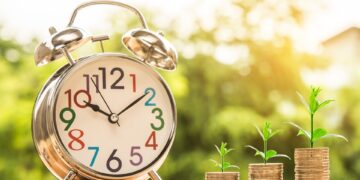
{"x":312,"y":130}
{"x":265,"y":150}
{"x":222,"y":163}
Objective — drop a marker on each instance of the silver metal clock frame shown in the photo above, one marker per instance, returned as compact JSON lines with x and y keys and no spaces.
{"x":50,"y":149}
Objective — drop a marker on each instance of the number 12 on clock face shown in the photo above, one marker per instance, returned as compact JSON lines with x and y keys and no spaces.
{"x":116,"y":72}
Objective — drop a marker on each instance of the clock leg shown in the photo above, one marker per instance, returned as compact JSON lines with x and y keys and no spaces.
{"x":70,"y":175}
{"x":153,"y":175}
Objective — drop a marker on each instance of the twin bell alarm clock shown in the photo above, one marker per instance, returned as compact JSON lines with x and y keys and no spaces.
{"x":107,"y":115}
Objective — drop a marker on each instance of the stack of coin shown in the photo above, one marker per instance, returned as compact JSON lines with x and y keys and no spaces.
{"x":312,"y":164}
{"x":222,"y":176}
{"x":269,"y":171}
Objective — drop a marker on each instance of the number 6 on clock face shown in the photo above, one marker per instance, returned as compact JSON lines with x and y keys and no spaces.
{"x":114,"y":116}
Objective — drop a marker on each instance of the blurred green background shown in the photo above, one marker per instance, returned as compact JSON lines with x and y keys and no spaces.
{"x":231,"y":76}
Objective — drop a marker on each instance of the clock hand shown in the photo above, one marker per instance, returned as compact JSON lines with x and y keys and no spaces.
{"x":102,"y":97}
{"x":133,"y":103}
{"x":96,"y":108}
{"x":113,"y":118}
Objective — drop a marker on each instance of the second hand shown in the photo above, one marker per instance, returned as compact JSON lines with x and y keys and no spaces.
{"x":102,"y":97}
{"x":111,"y":113}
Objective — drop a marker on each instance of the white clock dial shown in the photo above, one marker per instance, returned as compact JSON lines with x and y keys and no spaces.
{"x":114,"y":116}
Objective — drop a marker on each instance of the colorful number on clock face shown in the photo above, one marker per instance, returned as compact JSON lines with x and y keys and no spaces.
{"x":114,"y":115}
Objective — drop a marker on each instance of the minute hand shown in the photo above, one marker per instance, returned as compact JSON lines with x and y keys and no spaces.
{"x":132,"y":104}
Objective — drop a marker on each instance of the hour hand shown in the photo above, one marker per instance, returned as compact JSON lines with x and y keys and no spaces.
{"x":96,"y":108}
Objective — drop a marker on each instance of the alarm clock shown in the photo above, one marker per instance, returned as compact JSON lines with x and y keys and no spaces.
{"x":107,"y":115}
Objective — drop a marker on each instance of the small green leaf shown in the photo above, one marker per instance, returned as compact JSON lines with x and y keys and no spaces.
{"x":257,"y":152}
{"x":335,"y":136}
{"x":313,"y":103}
{"x":223,"y":148}
{"x":266,"y":131}
{"x":282,"y":155}
{"x":216,"y":163}
{"x":228,"y":150}
{"x":270,"y":154}
{"x":261,"y":134}
{"x":274,"y":133}
{"x":233,"y":166}
{"x":303,"y":101}
{"x":301,"y":130}
{"x":318,"y":133}
{"x":325,"y":103}
{"x":261,"y":154}
{"x":227,"y":165}
{"x":252,"y":147}
{"x":218,"y":150}
{"x":213,"y":161}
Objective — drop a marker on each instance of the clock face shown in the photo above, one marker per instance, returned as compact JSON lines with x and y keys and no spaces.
{"x":114,"y":116}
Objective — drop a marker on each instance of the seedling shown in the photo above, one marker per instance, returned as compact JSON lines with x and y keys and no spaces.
{"x":266,"y":134}
{"x":313,"y":106}
{"x":223,"y":165}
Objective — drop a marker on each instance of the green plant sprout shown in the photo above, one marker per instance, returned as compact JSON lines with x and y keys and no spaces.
{"x":266,"y":134}
{"x":313,"y":106}
{"x":223,"y":165}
